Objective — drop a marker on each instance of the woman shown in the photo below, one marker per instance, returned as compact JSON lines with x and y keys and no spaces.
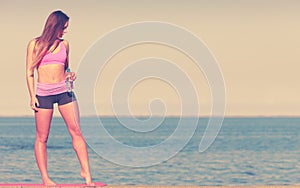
{"x":48,"y":54}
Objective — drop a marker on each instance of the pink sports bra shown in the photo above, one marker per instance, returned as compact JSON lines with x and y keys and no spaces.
{"x":55,"y":58}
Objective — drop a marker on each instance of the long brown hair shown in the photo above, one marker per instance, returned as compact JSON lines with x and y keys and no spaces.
{"x":54,"y":27}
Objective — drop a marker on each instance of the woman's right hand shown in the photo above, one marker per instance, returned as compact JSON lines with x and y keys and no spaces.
{"x":34,"y":103}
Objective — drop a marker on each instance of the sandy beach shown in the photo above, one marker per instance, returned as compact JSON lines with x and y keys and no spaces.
{"x":263,"y":186}
{"x":143,"y":186}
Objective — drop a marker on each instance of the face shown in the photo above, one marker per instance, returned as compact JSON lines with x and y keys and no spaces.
{"x":65,"y":29}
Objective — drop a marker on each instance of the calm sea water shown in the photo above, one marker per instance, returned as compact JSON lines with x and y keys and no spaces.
{"x":247,"y":151}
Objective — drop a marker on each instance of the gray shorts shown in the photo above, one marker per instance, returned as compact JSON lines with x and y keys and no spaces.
{"x":46,"y":102}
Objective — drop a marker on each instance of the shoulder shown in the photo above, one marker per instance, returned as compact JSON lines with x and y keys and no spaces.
{"x":65,"y":43}
{"x":31,"y":44}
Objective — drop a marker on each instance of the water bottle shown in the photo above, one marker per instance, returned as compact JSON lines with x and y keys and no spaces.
{"x":69,"y":81}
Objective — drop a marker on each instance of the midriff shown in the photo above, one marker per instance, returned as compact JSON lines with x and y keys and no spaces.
{"x":52,"y":73}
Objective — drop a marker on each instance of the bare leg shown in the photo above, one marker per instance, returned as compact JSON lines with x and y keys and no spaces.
{"x":70,"y":114}
{"x":43,"y":119}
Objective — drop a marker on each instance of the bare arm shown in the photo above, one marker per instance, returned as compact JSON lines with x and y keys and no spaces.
{"x":30,"y":74}
{"x":73,"y":74}
{"x":66,"y":44}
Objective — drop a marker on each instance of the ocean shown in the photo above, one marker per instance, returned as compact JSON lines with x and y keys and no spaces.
{"x":247,"y":151}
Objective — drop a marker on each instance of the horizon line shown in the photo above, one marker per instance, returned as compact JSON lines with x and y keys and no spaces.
{"x":167,"y":116}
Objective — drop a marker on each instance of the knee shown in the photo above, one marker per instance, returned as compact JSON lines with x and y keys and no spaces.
{"x":76,"y":131}
{"x":41,"y":139}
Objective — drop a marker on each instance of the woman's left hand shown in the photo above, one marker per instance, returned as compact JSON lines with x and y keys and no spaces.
{"x":73,"y":76}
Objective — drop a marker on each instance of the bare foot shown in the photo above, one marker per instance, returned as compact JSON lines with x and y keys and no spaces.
{"x":87,"y":177}
{"x":48,"y":182}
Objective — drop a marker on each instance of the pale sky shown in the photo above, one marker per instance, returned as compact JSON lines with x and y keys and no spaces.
{"x":255,"y":43}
